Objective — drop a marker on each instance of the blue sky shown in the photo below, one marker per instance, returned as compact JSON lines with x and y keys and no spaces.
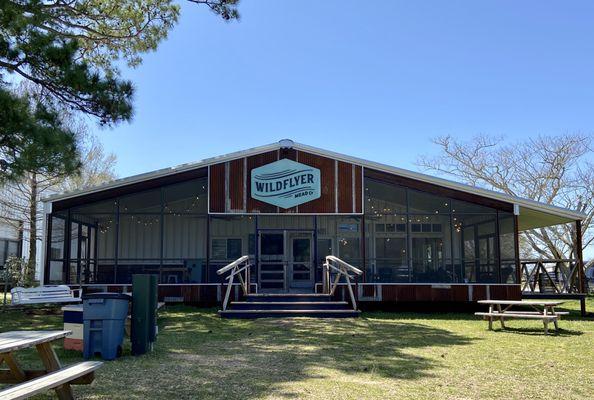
{"x":375,"y":80}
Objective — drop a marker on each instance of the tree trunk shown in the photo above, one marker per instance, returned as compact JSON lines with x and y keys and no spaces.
{"x":32,"y":261}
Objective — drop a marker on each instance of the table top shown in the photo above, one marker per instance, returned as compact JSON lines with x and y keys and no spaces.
{"x":16,"y":340}
{"x":523,"y":302}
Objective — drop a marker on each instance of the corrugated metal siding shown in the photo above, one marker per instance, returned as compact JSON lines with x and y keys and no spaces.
{"x":327,"y":202}
{"x":345,"y":187}
{"x":358,"y":189}
{"x":256,"y":161}
{"x":216,"y":188}
{"x":236,"y":185}
{"x":340,"y":193}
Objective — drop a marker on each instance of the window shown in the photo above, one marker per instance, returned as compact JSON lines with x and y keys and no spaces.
{"x":225,"y":248}
{"x":100,"y":207}
{"x":431,"y":248}
{"x":507,"y":247}
{"x":470,"y":208}
{"x":186,"y":198}
{"x":381,"y":228}
{"x":383,"y":198}
{"x":9,"y":248}
{"x":391,"y":263}
{"x":57,"y":238}
{"x":421,"y":202}
{"x":475,"y":241}
{"x":142,"y":202}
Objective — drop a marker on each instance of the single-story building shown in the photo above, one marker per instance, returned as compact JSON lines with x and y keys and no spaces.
{"x":417,"y":238}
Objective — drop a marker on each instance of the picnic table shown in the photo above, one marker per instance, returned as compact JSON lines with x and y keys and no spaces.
{"x":53,"y":376}
{"x":537,"y":309}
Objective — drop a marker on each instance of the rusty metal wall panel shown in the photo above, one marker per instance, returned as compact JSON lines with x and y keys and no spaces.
{"x":236,"y":185}
{"x":460,"y":293}
{"x":216,"y":188}
{"x":234,"y":195}
{"x":256,"y":161}
{"x":290,"y":154}
{"x":479,"y":292}
{"x":345,"y":187}
{"x":327,"y":202}
{"x":358,"y":207}
{"x":191,"y":294}
{"x":505,"y":292}
{"x":514,"y":292}
{"x":440,"y":294}
{"x":423,"y":292}
{"x":169,"y":291}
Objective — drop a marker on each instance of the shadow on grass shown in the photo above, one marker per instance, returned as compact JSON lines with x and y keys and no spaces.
{"x":259,"y":355}
{"x":538,"y":332}
{"x":31,"y":319}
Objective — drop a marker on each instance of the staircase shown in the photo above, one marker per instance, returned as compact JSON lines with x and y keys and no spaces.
{"x":289,"y":305}
{"x":274,"y":305}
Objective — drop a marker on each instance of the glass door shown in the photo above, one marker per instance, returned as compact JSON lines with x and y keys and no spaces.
{"x":271,"y":260}
{"x":301,"y":265}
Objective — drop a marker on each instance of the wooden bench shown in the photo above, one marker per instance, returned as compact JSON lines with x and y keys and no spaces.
{"x":501,"y":316}
{"x":50,"y":381}
{"x":44,"y":295}
{"x":542,"y":310}
{"x":29,"y":382}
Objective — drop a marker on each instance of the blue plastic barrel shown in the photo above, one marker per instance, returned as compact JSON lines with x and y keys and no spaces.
{"x":104,"y":319}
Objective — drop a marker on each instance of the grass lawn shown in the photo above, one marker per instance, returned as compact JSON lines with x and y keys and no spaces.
{"x":378,"y":356}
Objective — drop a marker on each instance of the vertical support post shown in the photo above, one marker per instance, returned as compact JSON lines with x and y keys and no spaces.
{"x":229,"y":287}
{"x":363,"y":250}
{"x":95,"y":253}
{"x":408,"y":239}
{"x":248,"y":279}
{"x":256,"y":252}
{"x":580,"y":261}
{"x":162,"y":233}
{"x":48,"y":249}
{"x":78,"y":250}
{"x":67,"y":239}
{"x":498,"y":249}
{"x":117,"y":241}
{"x":208,"y":277}
{"x":517,"y":250}
{"x":324,"y":277}
{"x":315,"y":250}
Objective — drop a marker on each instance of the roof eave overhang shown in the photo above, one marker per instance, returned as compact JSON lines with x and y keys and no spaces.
{"x":521,"y":202}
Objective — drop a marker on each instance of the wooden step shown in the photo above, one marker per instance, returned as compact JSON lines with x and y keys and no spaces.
{"x":250,"y":314}
{"x":288,"y":297}
{"x":289,"y":305}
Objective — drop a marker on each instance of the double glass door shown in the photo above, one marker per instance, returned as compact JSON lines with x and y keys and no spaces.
{"x":285,"y":260}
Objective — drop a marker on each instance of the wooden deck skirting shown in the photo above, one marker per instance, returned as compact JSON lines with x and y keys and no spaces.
{"x":209,"y":294}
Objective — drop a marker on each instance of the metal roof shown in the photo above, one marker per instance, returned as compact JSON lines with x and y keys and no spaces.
{"x":569,"y":215}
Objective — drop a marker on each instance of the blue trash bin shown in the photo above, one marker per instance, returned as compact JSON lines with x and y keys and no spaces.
{"x":104,"y":319}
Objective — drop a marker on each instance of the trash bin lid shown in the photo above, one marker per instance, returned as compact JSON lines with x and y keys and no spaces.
{"x":106,"y":295}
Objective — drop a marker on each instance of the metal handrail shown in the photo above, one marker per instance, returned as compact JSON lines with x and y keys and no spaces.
{"x":341,"y":268}
{"x":238,"y":266}
{"x":233,"y":264}
{"x":345,"y":264}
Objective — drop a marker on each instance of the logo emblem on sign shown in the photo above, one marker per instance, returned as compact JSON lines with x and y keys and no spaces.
{"x":285,"y":183}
